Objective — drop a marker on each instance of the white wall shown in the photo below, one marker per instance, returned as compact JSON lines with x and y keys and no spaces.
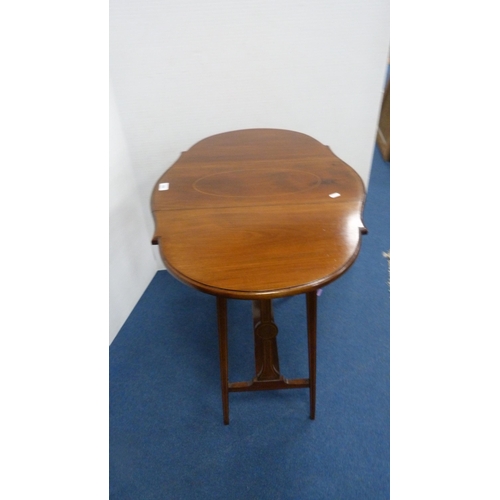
{"x":185,"y":70}
{"x":131,"y":261}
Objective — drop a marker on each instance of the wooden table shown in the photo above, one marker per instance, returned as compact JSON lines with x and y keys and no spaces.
{"x":259,"y":214}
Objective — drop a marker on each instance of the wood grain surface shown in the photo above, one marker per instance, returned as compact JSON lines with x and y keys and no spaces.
{"x":248,"y":214}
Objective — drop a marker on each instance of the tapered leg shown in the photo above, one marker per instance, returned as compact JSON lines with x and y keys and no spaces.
{"x":224,"y":371}
{"x":311,"y":300}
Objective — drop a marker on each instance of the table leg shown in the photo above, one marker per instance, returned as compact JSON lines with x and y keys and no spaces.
{"x":267,"y":370}
{"x":311,"y":301}
{"x":224,"y":371}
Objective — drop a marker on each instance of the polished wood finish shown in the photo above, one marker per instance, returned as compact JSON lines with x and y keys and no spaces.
{"x":267,"y":372}
{"x":311,"y":299}
{"x":223,"y":355}
{"x":266,"y":348}
{"x":384,"y":125}
{"x":259,"y":214}
{"x":248,"y":215}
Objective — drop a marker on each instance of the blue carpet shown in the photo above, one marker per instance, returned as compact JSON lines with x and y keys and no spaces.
{"x":167,"y":439}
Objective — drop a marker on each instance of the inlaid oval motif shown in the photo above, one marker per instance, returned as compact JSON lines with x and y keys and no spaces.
{"x":257,"y":182}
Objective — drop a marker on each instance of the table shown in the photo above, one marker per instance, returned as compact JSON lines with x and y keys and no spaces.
{"x":384,"y":124}
{"x":259,"y":214}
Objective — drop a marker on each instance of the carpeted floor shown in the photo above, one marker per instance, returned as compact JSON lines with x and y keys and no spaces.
{"x":167,"y":439}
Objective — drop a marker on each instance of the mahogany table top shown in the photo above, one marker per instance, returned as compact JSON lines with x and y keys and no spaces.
{"x":258,"y":214}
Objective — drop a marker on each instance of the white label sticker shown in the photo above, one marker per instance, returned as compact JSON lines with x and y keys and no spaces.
{"x":163,"y":186}
{"x":334,"y":195}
